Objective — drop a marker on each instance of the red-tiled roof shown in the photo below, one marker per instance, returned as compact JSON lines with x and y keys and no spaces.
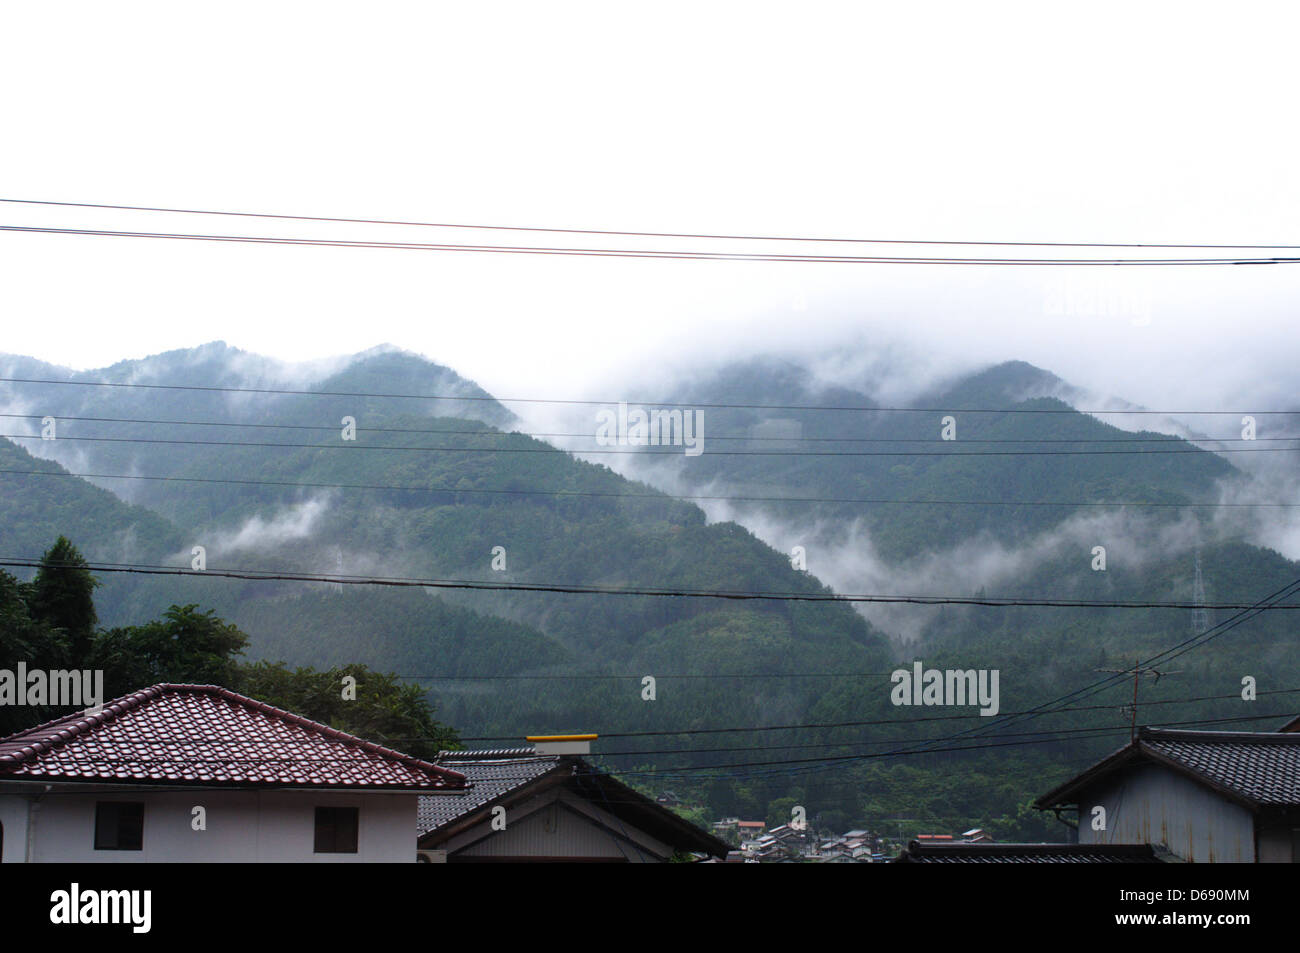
{"x":211,"y":736}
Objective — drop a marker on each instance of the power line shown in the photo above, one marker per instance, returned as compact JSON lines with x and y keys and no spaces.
{"x":804,"y":746}
{"x":595,"y":676}
{"x":840,"y":761}
{"x":690,"y":255}
{"x":706,"y":405}
{"x":661,"y":496}
{"x":31,"y":562}
{"x":641,"y":234}
{"x":824,"y":726}
{"x":1271,"y":601}
{"x":1034,"y":736}
{"x":670,"y":450}
{"x":486,"y":432}
{"x":822,"y":784}
{"x":830,"y":761}
{"x":161,"y":758}
{"x":805,"y":765}
{"x":584,"y":251}
{"x":801,"y":726}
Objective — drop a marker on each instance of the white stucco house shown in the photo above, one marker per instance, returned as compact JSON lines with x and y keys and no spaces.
{"x":199,"y":773}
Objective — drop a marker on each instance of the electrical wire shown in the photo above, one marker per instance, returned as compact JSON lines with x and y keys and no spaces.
{"x":639,"y":234}
{"x":659,"y":496}
{"x":1271,"y":601}
{"x":662,"y":253}
{"x":673,"y":450}
{"x":482,"y":432}
{"x":32,"y":562}
{"x":1038,"y":737}
{"x":805,"y":726}
{"x":707,"y":405}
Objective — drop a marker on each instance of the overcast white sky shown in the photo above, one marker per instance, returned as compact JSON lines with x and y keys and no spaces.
{"x":1098,"y":122}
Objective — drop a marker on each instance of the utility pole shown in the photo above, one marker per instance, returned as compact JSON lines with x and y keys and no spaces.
{"x":899,"y":820}
{"x":1138,"y":671}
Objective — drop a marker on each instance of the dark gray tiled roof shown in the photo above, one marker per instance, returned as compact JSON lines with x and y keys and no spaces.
{"x":1263,"y":768}
{"x":497,"y":775}
{"x":985,"y":853}
{"x":492,"y":774}
{"x":1256,"y":769}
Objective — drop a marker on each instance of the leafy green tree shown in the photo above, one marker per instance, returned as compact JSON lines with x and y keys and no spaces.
{"x":185,"y":645}
{"x":24,"y":639}
{"x":778,"y":811}
{"x":720,"y":795}
{"x":377,"y":707}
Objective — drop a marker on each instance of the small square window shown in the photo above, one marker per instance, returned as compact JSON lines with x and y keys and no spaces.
{"x":119,"y":825}
{"x":336,"y":830}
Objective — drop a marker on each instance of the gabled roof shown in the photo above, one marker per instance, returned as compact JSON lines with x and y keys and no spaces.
{"x":494,"y":774}
{"x":209,"y":736}
{"x":979,"y":853}
{"x":1254,"y":769}
{"x":506,"y":776}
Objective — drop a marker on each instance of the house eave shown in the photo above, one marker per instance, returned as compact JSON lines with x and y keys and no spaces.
{"x":634,"y":808}
{"x":1137,"y":751}
{"x":28,"y":784}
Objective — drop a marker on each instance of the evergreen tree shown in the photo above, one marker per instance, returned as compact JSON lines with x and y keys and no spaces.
{"x":24,"y":640}
{"x":62,"y":596}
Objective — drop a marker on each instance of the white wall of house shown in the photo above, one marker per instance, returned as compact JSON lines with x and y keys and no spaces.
{"x":13,"y":829}
{"x":242,"y":826}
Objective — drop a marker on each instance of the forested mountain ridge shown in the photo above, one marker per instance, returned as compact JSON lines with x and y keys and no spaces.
{"x":1012,"y":444}
{"x":413,"y":494}
{"x":434,"y":489}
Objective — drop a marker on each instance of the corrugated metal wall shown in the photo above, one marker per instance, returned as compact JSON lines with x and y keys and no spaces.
{"x":1152,"y":805}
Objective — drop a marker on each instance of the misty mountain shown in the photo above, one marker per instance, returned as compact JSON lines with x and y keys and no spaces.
{"x":414,"y":493}
{"x":39,"y":500}
{"x":1015,"y":446}
{"x":443,"y":488}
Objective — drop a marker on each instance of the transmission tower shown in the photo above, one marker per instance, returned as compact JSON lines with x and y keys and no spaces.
{"x":338,"y":566}
{"x":1200,"y":615}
